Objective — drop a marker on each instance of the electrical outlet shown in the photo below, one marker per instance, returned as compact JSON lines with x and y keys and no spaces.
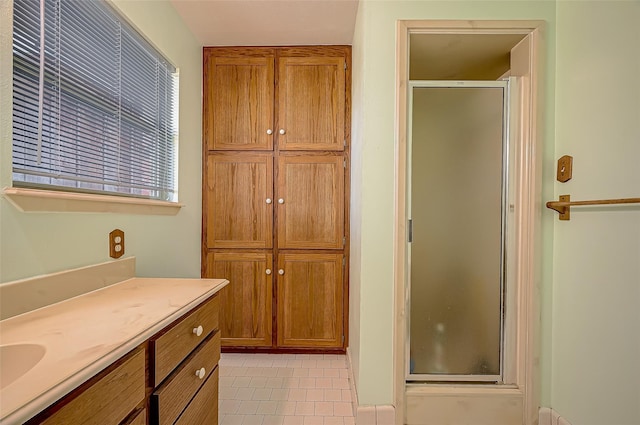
{"x":116,"y":243}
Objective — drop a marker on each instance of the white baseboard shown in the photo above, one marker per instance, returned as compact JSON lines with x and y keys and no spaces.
{"x":369,"y":415}
{"x":549,"y":416}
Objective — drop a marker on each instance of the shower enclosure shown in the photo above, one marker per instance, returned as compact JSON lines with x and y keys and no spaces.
{"x":459,"y":217}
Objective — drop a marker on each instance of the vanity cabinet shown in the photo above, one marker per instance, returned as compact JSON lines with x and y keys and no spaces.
{"x":172,"y":378}
{"x":138,"y":418}
{"x":276,"y":168}
{"x":108,"y":399}
{"x":183,"y":358}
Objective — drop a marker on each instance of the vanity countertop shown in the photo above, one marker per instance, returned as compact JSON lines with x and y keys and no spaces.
{"x":83,"y":335}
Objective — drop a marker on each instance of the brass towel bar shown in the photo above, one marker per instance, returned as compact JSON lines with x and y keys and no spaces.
{"x":564,"y":204}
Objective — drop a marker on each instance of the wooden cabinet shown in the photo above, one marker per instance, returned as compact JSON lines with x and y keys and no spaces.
{"x":239,"y":200}
{"x":185,"y":356}
{"x":109,"y":399}
{"x":171,"y":346}
{"x":311,"y":103}
{"x":310,"y":298}
{"x":310,"y":206}
{"x":276,"y":158}
{"x":138,"y":418}
{"x":181,"y":386}
{"x":238,"y":107}
{"x":246,"y":319}
{"x":170,"y":398}
{"x":203,"y":409}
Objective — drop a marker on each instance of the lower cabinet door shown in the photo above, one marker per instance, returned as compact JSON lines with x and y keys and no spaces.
{"x":245,"y":303}
{"x":310,"y":298}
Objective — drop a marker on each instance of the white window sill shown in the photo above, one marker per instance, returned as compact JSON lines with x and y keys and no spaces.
{"x":35,"y":200}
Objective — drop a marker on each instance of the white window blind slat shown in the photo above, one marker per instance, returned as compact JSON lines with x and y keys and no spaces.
{"x":109,"y":103}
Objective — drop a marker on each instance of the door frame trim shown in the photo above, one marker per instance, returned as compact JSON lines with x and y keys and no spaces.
{"x":528,"y":247}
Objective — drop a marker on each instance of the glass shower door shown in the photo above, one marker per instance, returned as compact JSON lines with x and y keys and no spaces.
{"x":458,"y":159}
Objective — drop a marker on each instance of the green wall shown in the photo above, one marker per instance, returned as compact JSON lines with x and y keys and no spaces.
{"x":591,"y":265}
{"x":596,"y":277}
{"x":372,"y":275}
{"x":39,"y":243}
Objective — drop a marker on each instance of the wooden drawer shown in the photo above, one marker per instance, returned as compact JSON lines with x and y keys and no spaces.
{"x":170,"y":399}
{"x":110,"y":399}
{"x":170,"y":347}
{"x":139,"y":418}
{"x":203,"y":409}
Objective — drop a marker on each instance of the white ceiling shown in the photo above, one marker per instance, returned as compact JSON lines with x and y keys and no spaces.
{"x":313,"y":22}
{"x":269,"y":22}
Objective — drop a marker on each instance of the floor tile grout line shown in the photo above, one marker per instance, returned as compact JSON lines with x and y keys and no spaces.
{"x":320,"y":395}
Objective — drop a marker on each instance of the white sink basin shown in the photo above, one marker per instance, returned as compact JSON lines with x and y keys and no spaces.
{"x":18,"y":359}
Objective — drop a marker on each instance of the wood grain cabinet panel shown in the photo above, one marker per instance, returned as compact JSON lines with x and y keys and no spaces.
{"x":138,"y":418}
{"x":239,"y":204}
{"x":203,"y":409}
{"x":310,"y":300}
{"x":269,"y":196}
{"x":238,"y":111}
{"x":173,"y":345}
{"x":311,"y":215}
{"x":110,"y":400}
{"x":311,"y":93}
{"x":170,"y":399}
{"x":245,"y":303}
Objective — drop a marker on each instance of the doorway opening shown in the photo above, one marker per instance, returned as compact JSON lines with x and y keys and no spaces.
{"x":459,"y":248}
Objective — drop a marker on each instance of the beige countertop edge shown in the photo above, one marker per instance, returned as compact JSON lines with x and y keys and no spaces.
{"x":25,"y":412}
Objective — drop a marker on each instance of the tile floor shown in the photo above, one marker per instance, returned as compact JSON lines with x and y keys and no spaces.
{"x":285,"y":389}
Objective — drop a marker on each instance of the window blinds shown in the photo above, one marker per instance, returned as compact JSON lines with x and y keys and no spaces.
{"x":102,"y":116}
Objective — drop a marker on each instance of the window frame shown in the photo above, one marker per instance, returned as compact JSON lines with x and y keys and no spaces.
{"x":46,"y":197}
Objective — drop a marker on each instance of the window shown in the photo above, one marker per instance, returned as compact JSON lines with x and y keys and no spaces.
{"x":94,"y":104}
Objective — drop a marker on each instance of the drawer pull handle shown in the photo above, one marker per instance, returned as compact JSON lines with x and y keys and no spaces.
{"x":200,"y":373}
{"x":198,"y":331}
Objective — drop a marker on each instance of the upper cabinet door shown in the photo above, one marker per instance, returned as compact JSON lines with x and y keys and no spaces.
{"x":238,"y":196}
{"x":310,"y":206}
{"x":311,"y":105}
{"x":238,"y":107}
